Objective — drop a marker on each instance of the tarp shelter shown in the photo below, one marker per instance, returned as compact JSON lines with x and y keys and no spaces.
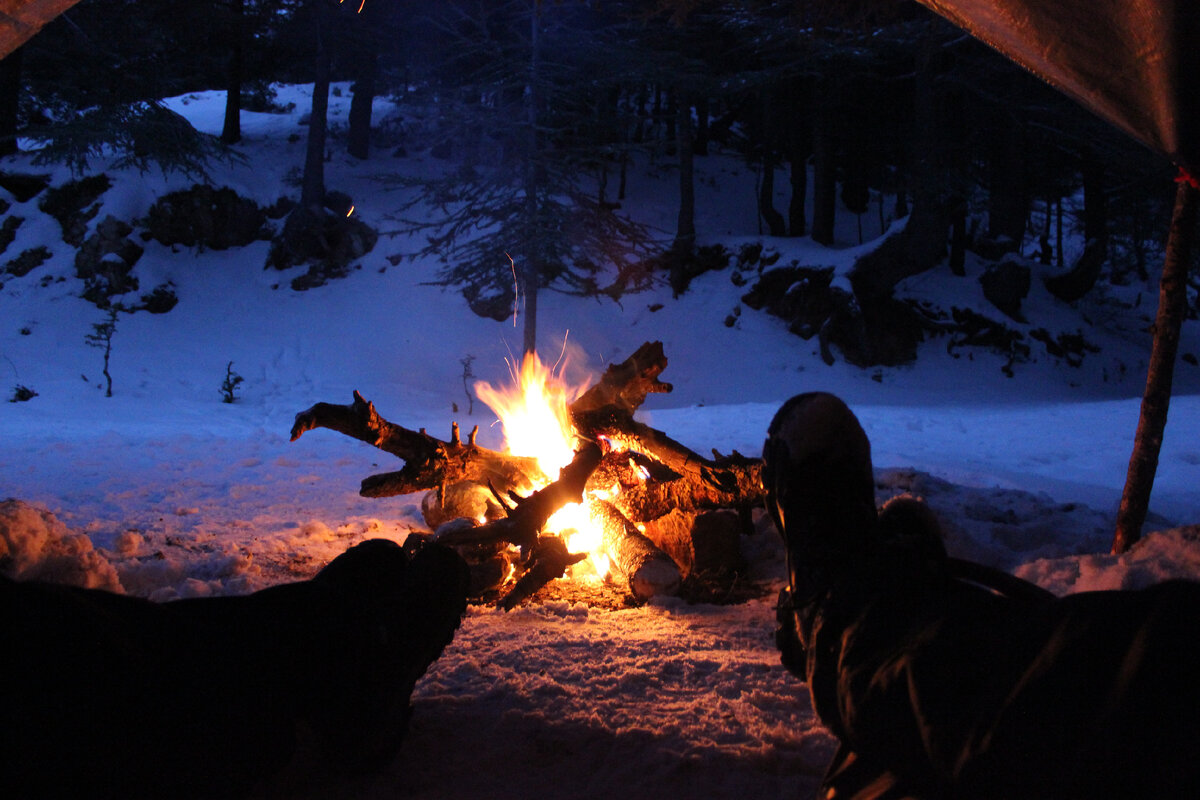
{"x":1135,"y":63}
{"x":21,"y":19}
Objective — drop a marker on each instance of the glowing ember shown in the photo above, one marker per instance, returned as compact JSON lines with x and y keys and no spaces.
{"x":534,"y":414}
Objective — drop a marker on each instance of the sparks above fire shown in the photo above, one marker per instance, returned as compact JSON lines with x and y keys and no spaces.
{"x":579,"y":479}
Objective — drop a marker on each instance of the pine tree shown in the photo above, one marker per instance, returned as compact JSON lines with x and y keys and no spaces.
{"x":519,"y":212}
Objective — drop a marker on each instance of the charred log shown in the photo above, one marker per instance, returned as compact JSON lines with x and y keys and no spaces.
{"x":604,"y":410}
{"x":549,"y":561}
{"x":429,"y":462}
{"x":722,"y":481}
{"x":708,"y":542}
{"x":622,"y":389}
{"x":648,"y":569}
{"x":528,"y":515}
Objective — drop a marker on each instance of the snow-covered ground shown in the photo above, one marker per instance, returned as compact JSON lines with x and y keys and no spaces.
{"x":184,"y":495}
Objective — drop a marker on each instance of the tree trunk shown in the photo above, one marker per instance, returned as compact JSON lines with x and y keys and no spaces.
{"x":685,"y":231}
{"x":1085,"y":272}
{"x":1095,"y":201}
{"x":312,"y":192}
{"x":766,"y":197}
{"x":1045,"y":252}
{"x":798,"y":175}
{"x":875,"y":318}
{"x":624,"y":179}
{"x":1073,"y":285}
{"x":672,"y":111}
{"x":1059,"y":258}
{"x":700,"y":139}
{"x":1172,"y":308}
{"x":358,"y":138}
{"x":530,"y":281}
{"x":232,"y":130}
{"x":531,"y":270}
{"x":824,"y":176}
{"x":1008,"y":194}
{"x":641,"y":99}
{"x":958,"y":237}
{"x":656,"y":111}
{"x":10,"y":96}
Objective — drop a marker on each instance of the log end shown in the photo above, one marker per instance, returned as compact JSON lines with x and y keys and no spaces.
{"x":655,"y":577}
{"x":303,"y":423}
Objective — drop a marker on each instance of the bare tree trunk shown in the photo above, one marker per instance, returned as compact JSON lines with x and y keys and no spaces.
{"x":685,"y":231}
{"x":669,"y":116}
{"x":531,"y":270}
{"x":231,"y":133}
{"x":312,"y":192}
{"x":358,"y":138}
{"x":700,"y":139}
{"x":1059,"y":259}
{"x":10,"y":96}
{"x":529,"y":287}
{"x":958,"y":237}
{"x":1095,"y":200}
{"x":1008,"y":193}
{"x":766,"y":194}
{"x":621,"y":185}
{"x":1172,"y":307}
{"x":798,"y":175}
{"x":824,"y":177}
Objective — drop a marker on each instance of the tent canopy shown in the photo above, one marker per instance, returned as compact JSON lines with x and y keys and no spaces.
{"x":21,"y":19}
{"x":1135,"y":63}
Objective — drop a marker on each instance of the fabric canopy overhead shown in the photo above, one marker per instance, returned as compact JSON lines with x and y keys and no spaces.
{"x":1135,"y":63}
{"x":21,"y":19}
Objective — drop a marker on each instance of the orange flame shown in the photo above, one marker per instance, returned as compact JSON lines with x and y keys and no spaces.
{"x":536,"y":420}
{"x":534,"y":415}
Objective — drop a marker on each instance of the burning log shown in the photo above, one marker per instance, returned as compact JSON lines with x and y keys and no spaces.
{"x":429,"y":462}
{"x":622,"y":389}
{"x":529,"y":514}
{"x":606,"y":411}
{"x":707,"y":542}
{"x":712,"y":486}
{"x":646,"y":477}
{"x":458,"y":500}
{"x":648,"y":569}
{"x":549,"y":561}
{"x":546,"y":557}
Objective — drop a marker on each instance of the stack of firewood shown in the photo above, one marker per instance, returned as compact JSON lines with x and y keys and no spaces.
{"x":674,"y":513}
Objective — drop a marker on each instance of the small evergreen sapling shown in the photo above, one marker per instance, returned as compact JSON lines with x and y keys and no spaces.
{"x":21,"y":393}
{"x":230,"y":384}
{"x":101,"y":338}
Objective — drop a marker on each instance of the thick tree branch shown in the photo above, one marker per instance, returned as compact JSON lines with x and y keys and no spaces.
{"x":429,"y":462}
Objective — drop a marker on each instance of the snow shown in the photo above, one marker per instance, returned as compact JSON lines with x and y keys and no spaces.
{"x":176,"y":494}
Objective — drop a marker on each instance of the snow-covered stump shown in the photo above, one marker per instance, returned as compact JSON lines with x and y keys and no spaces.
{"x":648,"y":569}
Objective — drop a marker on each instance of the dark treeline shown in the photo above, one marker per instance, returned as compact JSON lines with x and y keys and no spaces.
{"x":872,"y":109}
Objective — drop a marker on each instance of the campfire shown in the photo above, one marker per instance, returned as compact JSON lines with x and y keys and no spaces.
{"x":581,"y":488}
